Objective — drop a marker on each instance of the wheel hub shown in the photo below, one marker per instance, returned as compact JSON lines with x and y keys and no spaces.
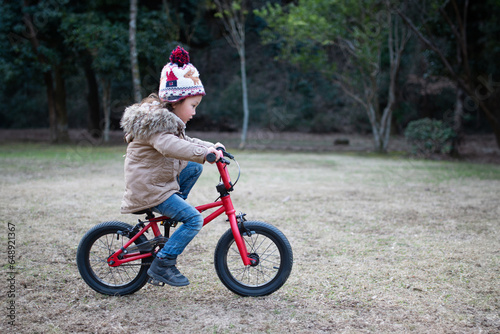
{"x":255,"y":259}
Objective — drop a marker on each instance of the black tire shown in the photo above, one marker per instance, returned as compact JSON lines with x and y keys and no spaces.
{"x":91,"y":257}
{"x":266,"y":244}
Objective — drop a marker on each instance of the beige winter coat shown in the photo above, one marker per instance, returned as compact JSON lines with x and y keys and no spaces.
{"x":158,"y":150}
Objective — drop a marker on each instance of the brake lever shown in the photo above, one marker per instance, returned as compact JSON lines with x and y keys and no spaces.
{"x":225,"y":153}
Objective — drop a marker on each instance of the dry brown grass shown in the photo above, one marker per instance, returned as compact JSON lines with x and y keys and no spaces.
{"x":380,"y":245}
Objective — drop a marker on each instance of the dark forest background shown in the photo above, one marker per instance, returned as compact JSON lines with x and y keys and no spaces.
{"x":63,"y":61}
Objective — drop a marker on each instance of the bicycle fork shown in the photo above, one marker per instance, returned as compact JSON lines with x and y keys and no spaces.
{"x":238,"y":239}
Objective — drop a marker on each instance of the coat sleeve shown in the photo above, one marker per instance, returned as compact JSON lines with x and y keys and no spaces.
{"x":172,"y":146}
{"x":200,"y":142}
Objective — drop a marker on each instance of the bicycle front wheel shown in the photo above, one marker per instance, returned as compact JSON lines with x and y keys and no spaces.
{"x":273,"y":257}
{"x":93,"y":252}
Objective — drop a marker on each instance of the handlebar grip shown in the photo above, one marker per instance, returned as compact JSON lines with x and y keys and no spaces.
{"x":211,"y":157}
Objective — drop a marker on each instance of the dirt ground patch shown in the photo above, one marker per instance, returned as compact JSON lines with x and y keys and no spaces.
{"x":380,"y":245}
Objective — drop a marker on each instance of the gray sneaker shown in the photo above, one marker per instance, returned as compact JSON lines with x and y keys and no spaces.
{"x":164,"y":270}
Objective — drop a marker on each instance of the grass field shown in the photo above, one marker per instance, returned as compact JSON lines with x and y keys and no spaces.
{"x":381,"y":244}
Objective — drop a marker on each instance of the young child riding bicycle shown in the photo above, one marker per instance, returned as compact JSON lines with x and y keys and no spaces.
{"x":162,"y":163}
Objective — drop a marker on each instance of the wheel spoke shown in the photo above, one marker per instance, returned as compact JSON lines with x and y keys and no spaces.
{"x":265,"y":250}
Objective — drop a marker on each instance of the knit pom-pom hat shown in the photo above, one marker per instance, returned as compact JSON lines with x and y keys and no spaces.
{"x":179,"y":78}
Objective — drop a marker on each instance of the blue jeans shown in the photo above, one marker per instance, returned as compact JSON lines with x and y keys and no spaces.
{"x":177,"y":208}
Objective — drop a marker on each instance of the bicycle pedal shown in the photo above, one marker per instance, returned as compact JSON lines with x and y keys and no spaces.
{"x":155,"y":282}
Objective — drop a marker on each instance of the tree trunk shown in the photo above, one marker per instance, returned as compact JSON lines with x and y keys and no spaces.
{"x":371,"y":110}
{"x":60,"y":104}
{"x":457,"y":121}
{"x":386,"y":120}
{"x":233,"y":19}
{"x":397,"y":39}
{"x":56,"y":98}
{"x":106,"y":103}
{"x":49,"y":88}
{"x":136,"y":79}
{"x":245,"y":98}
{"x":94,"y":118}
{"x":459,"y":110}
{"x":385,"y":126}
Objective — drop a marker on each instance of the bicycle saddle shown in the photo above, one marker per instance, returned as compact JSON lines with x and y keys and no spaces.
{"x":147,"y":212}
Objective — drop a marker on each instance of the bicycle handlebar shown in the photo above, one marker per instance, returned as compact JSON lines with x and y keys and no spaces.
{"x":221,"y":166}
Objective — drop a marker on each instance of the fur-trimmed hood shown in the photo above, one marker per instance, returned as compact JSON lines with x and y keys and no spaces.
{"x":141,"y":121}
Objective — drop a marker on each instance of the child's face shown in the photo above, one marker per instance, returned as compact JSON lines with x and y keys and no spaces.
{"x":186,"y":109}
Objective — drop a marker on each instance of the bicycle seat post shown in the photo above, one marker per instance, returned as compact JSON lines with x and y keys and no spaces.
{"x":149,"y":214}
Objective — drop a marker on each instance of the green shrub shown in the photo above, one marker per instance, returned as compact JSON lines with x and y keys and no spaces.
{"x":427,"y":136}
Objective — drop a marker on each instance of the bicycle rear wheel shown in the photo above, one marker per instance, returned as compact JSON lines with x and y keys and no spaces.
{"x":91,"y":257}
{"x":273,"y":257}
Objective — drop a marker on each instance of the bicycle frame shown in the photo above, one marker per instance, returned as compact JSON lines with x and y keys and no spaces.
{"x":225,"y":204}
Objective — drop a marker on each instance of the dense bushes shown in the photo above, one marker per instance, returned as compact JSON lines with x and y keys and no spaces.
{"x":428,"y":136}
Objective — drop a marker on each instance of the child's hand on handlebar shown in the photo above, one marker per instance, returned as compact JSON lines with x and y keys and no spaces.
{"x":217,"y":153}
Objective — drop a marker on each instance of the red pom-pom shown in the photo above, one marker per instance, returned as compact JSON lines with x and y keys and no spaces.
{"x":179,"y":56}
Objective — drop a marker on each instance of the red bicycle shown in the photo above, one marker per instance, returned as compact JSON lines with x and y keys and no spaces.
{"x":252,"y":258}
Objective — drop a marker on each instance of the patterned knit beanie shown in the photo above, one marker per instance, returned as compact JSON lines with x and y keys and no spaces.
{"x":179,"y":78}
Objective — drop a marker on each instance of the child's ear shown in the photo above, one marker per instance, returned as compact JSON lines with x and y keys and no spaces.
{"x":175,"y":104}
